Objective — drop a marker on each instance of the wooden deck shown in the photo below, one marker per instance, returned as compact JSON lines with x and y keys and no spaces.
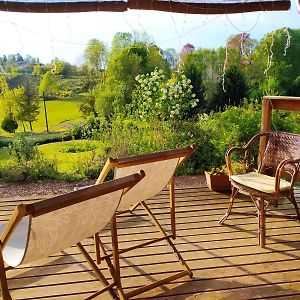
{"x":226,"y":261}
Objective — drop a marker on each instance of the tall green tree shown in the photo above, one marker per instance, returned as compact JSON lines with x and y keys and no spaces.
{"x":231,"y":91}
{"x":192,"y":69}
{"x":47,"y":85}
{"x":27,"y":104}
{"x":123,"y":67}
{"x":276,"y":56}
{"x":95,"y":54}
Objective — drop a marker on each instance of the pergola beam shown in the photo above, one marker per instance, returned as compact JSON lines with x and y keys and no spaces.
{"x":176,"y":6}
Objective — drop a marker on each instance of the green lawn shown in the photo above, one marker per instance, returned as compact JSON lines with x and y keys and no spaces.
{"x":59,"y":152}
{"x":67,"y":161}
{"x":62,"y":114}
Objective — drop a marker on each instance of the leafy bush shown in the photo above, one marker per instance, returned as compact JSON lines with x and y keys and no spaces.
{"x":9,"y":123}
{"x":154,"y":97}
{"x":232,"y":127}
{"x":88,"y":168}
{"x":79,"y":147}
{"x":27,"y":163}
{"x":93,"y":128}
{"x":23,"y":150}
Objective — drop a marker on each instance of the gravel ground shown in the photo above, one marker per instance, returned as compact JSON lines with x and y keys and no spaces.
{"x":56,"y":187}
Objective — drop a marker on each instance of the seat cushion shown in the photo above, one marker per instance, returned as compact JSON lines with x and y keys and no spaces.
{"x":260,"y":182}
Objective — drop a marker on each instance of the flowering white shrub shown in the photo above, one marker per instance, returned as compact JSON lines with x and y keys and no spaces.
{"x":156,"y":97}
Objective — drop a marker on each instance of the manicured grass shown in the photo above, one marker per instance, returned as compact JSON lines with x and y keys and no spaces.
{"x":62,"y":114}
{"x":4,"y":156}
{"x":67,"y":161}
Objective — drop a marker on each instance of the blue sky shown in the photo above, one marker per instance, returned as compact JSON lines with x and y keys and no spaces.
{"x":65,"y":35}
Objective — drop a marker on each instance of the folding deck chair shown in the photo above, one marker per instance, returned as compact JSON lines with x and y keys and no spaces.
{"x":46,"y":227}
{"x":159,"y":171}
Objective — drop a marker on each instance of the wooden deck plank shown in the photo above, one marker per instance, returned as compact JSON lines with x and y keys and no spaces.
{"x":225,"y":260}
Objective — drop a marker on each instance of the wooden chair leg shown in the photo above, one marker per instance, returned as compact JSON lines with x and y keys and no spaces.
{"x":4,"y":286}
{"x":99,"y":275}
{"x":292,"y":199}
{"x":231,"y":201}
{"x":172,"y":208}
{"x":176,"y":252}
{"x":116,"y":257}
{"x":97,"y":248}
{"x":261,"y":222}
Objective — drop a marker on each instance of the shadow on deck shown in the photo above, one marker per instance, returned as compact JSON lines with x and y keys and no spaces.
{"x":225,"y":260}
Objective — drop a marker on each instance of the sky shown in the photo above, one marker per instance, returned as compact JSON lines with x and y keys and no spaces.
{"x":65,"y":36}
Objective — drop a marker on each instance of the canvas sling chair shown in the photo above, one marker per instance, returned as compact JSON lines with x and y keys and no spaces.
{"x":278,"y":169}
{"x":159,"y":171}
{"x":43,"y":228}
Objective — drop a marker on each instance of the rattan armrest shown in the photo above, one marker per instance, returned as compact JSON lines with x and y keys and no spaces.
{"x":228,"y":156}
{"x":280,"y":171}
{"x":243,"y":150}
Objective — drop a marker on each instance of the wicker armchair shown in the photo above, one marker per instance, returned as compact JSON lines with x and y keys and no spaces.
{"x":276,"y":175}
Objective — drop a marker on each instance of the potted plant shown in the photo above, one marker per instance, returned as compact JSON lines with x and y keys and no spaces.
{"x":217,"y":179}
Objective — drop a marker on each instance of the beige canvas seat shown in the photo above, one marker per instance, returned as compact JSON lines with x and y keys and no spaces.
{"x":159,"y":171}
{"x":46,"y":227}
{"x":277,"y":172}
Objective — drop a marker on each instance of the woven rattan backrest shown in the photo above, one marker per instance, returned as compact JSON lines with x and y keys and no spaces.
{"x":158,"y":175}
{"x":280,"y":146}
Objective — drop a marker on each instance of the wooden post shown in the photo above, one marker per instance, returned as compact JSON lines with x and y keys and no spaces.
{"x":275,"y":102}
{"x":45,"y":111}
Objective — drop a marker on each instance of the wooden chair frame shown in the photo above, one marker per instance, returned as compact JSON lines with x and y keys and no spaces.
{"x":261,"y":199}
{"x":112,"y":163}
{"x":59,"y":202}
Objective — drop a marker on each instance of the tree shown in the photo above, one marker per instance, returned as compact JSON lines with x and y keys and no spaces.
{"x":187,"y":48}
{"x":9,"y":123}
{"x":87,"y":105}
{"x":125,"y":65}
{"x":3,"y":83}
{"x":171,"y":56}
{"x":19,"y":57}
{"x":276,"y":54}
{"x":38,"y":70}
{"x":232,"y":92}
{"x":47,"y":85}
{"x":191,"y":68}
{"x":27,"y":104}
{"x":95,"y":54}
{"x":120,"y":41}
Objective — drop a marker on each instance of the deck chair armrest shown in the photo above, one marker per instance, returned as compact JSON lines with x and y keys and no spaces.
{"x":294,"y":165}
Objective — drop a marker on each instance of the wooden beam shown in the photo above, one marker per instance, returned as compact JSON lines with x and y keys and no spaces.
{"x":284,"y":102}
{"x":186,"y":6}
{"x":269,"y":103}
